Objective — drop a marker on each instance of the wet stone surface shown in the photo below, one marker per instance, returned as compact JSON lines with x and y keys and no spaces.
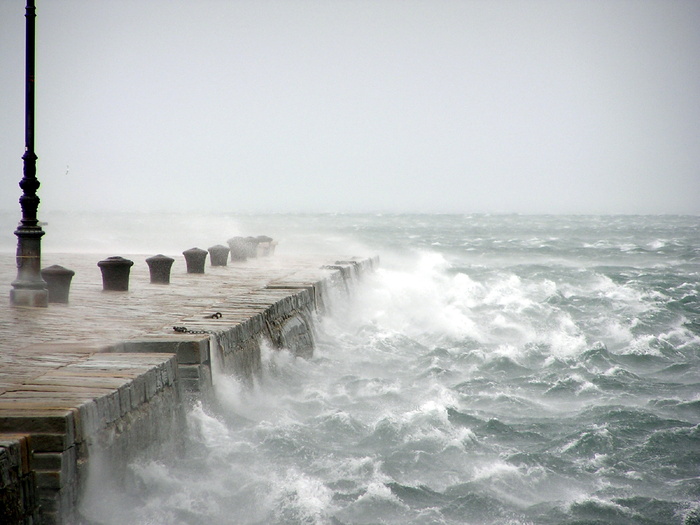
{"x":35,"y":340}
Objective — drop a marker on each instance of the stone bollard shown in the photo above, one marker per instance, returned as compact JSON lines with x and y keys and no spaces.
{"x":239,"y":250}
{"x":195,"y":259}
{"x":218,"y":255}
{"x":251,"y":247}
{"x":264,"y":243}
{"x":115,"y":273}
{"x":159,"y":266}
{"x":58,"y":280}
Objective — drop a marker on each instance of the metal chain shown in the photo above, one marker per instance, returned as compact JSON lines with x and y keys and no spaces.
{"x":185,"y":330}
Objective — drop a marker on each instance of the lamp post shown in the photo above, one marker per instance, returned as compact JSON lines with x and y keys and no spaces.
{"x":29,"y":289}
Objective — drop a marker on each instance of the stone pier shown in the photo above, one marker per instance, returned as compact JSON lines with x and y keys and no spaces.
{"x":114,"y":371}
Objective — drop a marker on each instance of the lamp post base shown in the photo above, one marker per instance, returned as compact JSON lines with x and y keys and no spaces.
{"x":29,"y":289}
{"x":33,"y":297}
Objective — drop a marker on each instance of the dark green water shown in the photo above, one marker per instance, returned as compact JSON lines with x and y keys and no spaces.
{"x":496,"y":370}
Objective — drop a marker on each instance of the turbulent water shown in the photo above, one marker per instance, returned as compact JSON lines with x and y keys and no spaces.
{"x":495,"y":370}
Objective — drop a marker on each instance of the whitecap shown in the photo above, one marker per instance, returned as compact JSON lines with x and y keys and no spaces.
{"x":378,"y":491}
{"x":497,"y":469}
{"x":657,"y":244}
{"x":301,"y":498}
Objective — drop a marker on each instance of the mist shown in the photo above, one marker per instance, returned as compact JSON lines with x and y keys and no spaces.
{"x":355,"y":106}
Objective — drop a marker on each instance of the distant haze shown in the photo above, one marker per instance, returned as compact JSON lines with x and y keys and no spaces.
{"x":532,"y":106}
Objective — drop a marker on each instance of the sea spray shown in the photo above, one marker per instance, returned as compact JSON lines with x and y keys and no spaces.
{"x":523,"y":370}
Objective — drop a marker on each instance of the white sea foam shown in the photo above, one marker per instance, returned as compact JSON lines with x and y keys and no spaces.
{"x":300,"y":498}
{"x":209,"y":430}
{"x":603,"y":503}
{"x":419,"y":301}
{"x":378,"y":491}
{"x":446,"y":377}
{"x":496,"y":469}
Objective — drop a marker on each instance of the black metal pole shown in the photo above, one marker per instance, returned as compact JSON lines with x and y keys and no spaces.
{"x":29,"y":289}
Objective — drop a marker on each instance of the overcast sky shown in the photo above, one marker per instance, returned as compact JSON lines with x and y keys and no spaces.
{"x":531,"y":106}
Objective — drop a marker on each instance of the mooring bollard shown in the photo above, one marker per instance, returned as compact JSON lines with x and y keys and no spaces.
{"x":218,"y":255}
{"x":263,"y":245}
{"x":159,"y":266}
{"x":251,"y":247}
{"x":115,"y":273}
{"x":58,"y":280}
{"x":195,"y":259}
{"x":238,"y":247}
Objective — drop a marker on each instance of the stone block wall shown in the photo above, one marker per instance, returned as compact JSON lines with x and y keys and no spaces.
{"x":17,"y":487}
{"x":129,"y":400}
{"x":125,"y":404}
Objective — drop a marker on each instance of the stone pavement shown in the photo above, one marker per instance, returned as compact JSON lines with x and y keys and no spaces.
{"x":36,"y":340}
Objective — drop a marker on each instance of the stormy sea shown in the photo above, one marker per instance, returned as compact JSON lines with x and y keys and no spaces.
{"x":496,"y":369}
